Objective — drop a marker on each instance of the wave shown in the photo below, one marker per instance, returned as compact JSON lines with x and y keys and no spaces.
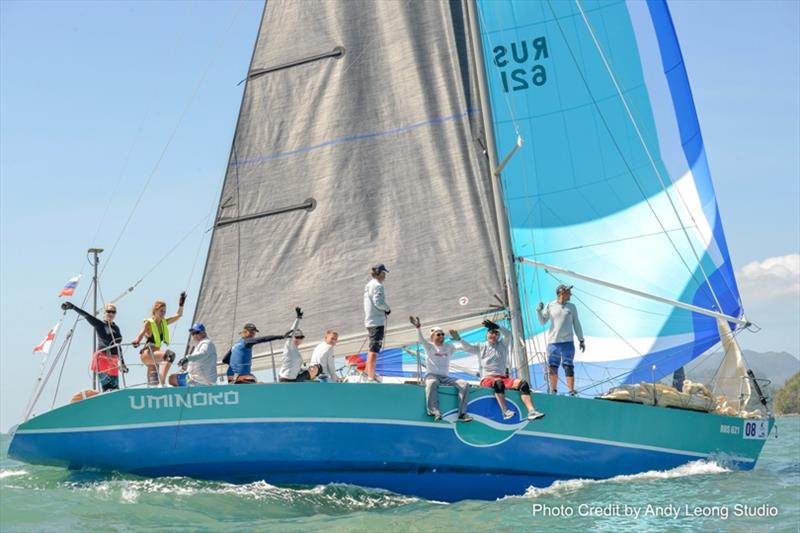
{"x":340,"y":497}
{"x":12,"y":473}
{"x":695,"y":468}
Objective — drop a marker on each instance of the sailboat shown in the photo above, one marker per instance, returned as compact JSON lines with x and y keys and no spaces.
{"x":486,"y":151}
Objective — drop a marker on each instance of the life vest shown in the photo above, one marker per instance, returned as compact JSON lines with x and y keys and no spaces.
{"x":159,"y":334}
{"x":82,"y":395}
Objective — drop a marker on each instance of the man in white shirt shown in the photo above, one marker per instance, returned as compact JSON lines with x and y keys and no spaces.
{"x":201,"y":364}
{"x":437,"y":360}
{"x":324,"y":357}
{"x":375,"y":312}
{"x":292,"y":367}
{"x":563,"y":318}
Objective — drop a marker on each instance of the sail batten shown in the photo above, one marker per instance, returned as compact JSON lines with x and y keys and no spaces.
{"x":387,"y":141}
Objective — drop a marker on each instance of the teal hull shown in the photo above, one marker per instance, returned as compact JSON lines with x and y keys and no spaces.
{"x":377,"y":436}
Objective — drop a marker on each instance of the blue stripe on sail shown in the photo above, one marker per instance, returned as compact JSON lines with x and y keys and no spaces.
{"x":678,"y":81}
{"x":692,"y":140}
{"x":354,"y":138}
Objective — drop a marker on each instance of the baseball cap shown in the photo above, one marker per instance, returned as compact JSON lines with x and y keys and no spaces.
{"x":563,"y":288}
{"x":379,"y":267}
{"x":298,"y":333}
{"x":436,"y":329}
{"x":250,"y":327}
{"x":197,"y":327}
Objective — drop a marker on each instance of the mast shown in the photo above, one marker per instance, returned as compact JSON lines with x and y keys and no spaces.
{"x":95,"y":262}
{"x":512,"y":292}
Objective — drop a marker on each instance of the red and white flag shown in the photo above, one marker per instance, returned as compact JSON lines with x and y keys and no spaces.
{"x":69,"y":288}
{"x":44,"y":347}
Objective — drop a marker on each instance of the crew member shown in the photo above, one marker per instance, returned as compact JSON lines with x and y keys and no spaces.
{"x":155,"y":331}
{"x":563,"y":317}
{"x":493,"y":361}
{"x":105,"y":361}
{"x":201,"y":365}
{"x":240,"y":356}
{"x":437,"y":361}
{"x":324,"y":357}
{"x":375,"y":312}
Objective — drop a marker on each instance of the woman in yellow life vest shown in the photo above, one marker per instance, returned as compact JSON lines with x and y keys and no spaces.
{"x":155,"y":332}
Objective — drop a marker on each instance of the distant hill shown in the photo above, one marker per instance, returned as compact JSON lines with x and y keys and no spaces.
{"x":777,"y":367}
{"x":787,"y":401}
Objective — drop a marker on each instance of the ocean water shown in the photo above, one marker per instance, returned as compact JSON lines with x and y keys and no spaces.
{"x":700,"y":496}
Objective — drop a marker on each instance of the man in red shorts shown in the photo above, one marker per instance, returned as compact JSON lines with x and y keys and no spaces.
{"x":493,"y":360}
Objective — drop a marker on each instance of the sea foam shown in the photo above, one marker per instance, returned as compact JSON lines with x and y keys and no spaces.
{"x":695,"y":468}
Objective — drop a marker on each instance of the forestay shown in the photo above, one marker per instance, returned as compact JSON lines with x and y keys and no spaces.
{"x":612,"y":179}
{"x":368,"y":110}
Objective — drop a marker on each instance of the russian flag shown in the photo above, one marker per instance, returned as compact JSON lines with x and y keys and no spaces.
{"x":44,"y":346}
{"x":69,"y":288}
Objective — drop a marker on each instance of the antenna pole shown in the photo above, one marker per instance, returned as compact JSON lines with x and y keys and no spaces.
{"x":95,"y":262}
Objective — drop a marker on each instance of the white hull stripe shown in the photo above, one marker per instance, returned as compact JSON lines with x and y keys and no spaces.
{"x":389,"y":422}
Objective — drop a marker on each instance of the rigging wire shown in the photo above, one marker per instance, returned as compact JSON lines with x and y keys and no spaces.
{"x":68,"y":344}
{"x":173,"y":133}
{"x":603,"y":243}
{"x":161,"y":260}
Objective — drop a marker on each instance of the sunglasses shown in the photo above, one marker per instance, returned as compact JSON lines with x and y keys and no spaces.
{"x":438,"y":334}
{"x":108,"y":312}
{"x":300,"y":337}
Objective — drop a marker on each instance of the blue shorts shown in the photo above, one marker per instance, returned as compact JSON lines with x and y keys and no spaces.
{"x":561,"y":354}
{"x":108,"y":382}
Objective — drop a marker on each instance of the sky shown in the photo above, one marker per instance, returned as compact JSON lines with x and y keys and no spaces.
{"x":116,"y":120}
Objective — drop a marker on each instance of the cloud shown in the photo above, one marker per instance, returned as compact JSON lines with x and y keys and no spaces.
{"x":775,"y":279}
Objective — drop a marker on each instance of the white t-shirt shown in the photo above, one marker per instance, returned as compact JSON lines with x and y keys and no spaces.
{"x":563,"y":319}
{"x":203,"y":363}
{"x":437,"y":357}
{"x":375,"y":305}
{"x":323,"y":355}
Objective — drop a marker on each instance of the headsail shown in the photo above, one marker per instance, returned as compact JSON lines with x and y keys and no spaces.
{"x":368,"y":110}
{"x":612,"y":180}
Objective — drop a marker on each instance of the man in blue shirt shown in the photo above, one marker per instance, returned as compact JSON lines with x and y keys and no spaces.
{"x":241,"y":354}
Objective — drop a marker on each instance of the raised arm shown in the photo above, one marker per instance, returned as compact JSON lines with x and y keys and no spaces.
{"x":426,"y":345}
{"x":179,"y":313}
{"x":264,"y":338}
{"x":506,"y":336}
{"x":463,"y":345}
{"x":91,"y":319}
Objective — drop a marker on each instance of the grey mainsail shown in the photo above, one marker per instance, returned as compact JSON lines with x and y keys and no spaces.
{"x":368,"y":110}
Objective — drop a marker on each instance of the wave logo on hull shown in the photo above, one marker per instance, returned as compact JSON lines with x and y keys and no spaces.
{"x":488,"y":427}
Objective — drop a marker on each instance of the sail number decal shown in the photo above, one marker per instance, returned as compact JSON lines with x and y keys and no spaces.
{"x":520,"y":64}
{"x":755,"y":429}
